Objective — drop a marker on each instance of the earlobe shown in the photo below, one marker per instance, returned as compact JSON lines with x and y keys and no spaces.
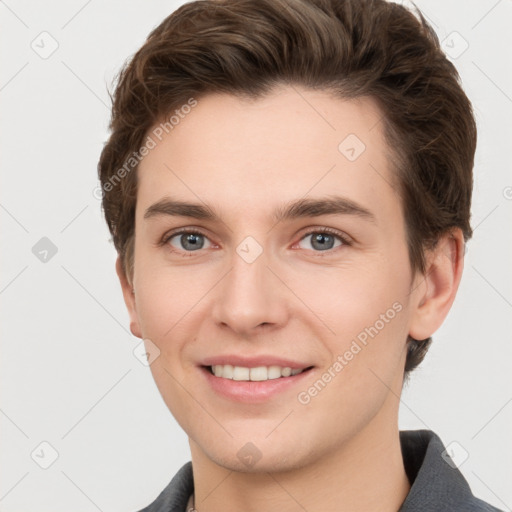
{"x":435,"y":291}
{"x":129,"y":299}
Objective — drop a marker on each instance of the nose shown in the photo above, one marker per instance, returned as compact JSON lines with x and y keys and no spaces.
{"x":250,"y":297}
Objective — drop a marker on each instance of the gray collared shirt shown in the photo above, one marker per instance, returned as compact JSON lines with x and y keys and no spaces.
{"x":436,"y":484}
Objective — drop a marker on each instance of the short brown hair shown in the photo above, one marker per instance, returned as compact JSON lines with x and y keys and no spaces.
{"x":353,"y":48}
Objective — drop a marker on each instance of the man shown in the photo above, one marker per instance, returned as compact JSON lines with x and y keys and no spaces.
{"x":288,"y":186}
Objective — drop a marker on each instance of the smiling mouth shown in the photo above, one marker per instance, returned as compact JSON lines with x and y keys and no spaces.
{"x":256,"y":374}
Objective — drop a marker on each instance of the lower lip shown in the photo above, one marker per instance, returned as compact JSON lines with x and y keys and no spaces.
{"x":253,"y":392}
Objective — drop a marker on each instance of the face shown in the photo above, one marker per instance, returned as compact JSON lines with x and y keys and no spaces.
{"x":294,"y":256}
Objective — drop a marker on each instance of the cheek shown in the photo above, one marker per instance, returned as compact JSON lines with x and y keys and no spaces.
{"x":363,"y":329}
{"x":363,"y":373}
{"x":166,"y":296}
{"x":177,"y":396}
{"x":353,"y":296}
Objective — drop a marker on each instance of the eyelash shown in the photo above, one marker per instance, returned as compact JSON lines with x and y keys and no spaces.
{"x":165,"y":240}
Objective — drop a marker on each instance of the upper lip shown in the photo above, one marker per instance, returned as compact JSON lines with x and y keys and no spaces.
{"x":253,"y":362}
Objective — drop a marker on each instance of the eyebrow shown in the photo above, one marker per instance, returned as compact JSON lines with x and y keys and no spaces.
{"x":332,"y":205}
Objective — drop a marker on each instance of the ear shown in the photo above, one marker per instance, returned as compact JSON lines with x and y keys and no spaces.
{"x":434,"y":292}
{"x":129,"y":300}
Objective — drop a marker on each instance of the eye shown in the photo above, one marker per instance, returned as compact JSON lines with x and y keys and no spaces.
{"x":324,"y":239}
{"x":189,"y":240}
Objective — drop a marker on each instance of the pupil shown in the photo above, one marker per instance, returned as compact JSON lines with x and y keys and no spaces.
{"x":191,"y":239}
{"x":323,"y":240}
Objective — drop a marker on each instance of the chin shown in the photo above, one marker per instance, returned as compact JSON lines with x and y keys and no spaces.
{"x":248,"y":457}
{"x":275,"y":464}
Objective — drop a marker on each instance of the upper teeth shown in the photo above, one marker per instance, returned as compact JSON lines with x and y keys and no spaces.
{"x":228,"y":371}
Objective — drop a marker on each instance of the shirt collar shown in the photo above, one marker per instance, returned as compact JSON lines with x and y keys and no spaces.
{"x":436,"y":483}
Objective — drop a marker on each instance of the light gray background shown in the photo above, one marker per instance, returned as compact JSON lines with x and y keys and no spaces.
{"x":68,"y":374}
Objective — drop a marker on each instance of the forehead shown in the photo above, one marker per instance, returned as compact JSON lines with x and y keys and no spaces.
{"x":255,"y":155}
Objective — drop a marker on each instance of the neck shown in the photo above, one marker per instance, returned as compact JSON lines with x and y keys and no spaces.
{"x":365,"y":473}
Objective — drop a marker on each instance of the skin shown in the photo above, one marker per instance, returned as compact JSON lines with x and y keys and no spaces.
{"x":340,"y":451}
